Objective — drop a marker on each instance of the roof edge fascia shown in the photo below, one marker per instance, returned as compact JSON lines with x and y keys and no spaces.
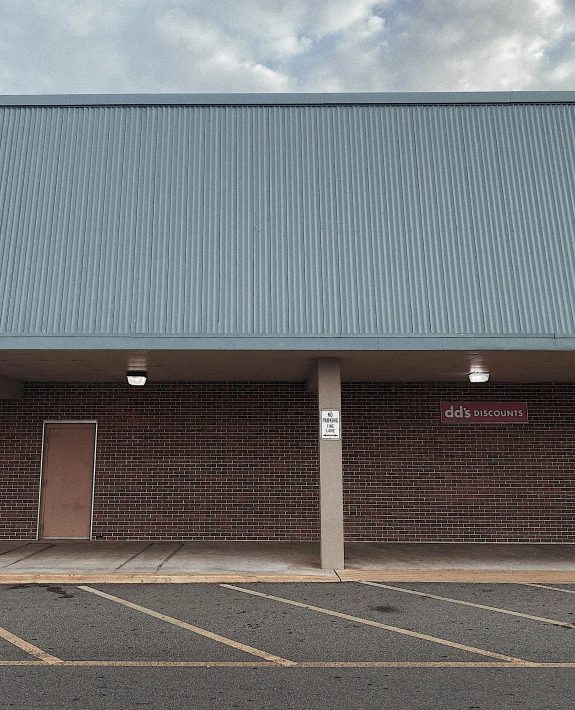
{"x":541,"y":342}
{"x":277,"y":99}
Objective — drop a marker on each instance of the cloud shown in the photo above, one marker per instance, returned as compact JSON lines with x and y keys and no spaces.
{"x":458,"y":45}
{"x":149,"y":46}
{"x":191,"y":51}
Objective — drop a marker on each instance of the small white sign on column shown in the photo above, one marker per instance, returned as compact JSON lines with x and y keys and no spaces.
{"x":330,"y":424}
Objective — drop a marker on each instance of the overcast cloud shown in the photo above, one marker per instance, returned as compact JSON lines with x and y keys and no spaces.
{"x":173,"y":46}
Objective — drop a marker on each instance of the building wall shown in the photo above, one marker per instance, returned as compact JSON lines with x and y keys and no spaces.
{"x":175,"y":461}
{"x":408,"y":477}
{"x":238,"y":461}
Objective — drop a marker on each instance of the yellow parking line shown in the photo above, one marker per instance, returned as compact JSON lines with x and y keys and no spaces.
{"x":296,"y":664}
{"x":473,"y":604}
{"x":27,"y":663}
{"x":179,"y":664}
{"x":299,"y":664}
{"x":190,"y":627}
{"x":545,"y":586}
{"x":386,"y":627}
{"x":417,"y":664}
{"x":28,"y":647}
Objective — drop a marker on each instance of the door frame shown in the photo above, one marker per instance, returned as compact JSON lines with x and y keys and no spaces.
{"x":66,"y":421}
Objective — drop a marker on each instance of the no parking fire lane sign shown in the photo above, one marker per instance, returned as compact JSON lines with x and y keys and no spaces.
{"x":330,"y":424}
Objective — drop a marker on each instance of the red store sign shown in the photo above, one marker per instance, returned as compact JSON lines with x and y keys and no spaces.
{"x":498,"y":412}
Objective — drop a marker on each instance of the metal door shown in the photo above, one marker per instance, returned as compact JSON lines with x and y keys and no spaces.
{"x":67,"y":481}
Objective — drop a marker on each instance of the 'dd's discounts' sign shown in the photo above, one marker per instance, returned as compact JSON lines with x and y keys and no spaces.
{"x":498,"y":412}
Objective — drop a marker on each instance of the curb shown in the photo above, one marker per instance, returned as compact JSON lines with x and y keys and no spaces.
{"x":110,"y":578}
{"x":402,"y":575}
{"x":460,"y":575}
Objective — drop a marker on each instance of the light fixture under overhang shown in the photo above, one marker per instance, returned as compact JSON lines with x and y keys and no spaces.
{"x":136,"y":377}
{"x":478,"y":376}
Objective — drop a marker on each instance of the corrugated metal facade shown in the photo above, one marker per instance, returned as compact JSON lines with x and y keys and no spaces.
{"x":438,"y":219}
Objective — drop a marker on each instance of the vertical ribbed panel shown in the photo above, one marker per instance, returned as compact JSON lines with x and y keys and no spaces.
{"x":295,"y":220}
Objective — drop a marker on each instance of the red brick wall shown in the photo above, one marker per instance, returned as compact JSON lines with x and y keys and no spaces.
{"x":238,"y":461}
{"x":174,"y":461}
{"x":408,"y":477}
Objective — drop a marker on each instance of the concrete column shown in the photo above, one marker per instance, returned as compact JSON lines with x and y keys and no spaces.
{"x":330,"y":469}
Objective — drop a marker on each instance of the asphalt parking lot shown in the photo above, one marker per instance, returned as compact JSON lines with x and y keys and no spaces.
{"x":287,"y":645}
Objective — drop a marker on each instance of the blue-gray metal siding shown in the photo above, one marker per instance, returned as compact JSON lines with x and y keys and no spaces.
{"x":288,"y":220}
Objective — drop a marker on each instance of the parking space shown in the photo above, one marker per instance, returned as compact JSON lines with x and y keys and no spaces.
{"x":75,"y":625}
{"x":290,"y":632}
{"x":546,"y":634}
{"x":438,"y":646}
{"x":532,"y":599}
{"x":339,"y":624}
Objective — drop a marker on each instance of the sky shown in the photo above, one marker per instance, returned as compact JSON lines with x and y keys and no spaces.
{"x":197,"y":46}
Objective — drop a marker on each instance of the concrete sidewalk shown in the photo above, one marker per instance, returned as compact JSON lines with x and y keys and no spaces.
{"x":84,"y":561}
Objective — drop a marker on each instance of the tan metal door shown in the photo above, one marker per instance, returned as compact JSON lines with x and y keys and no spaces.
{"x":67,"y":480}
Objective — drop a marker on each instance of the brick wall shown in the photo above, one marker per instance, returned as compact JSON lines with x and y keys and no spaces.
{"x":408,"y":477}
{"x":174,"y":461}
{"x":238,"y":461}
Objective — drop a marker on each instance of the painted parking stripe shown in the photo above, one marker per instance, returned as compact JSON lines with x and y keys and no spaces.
{"x":189,"y":627}
{"x":28,"y":647}
{"x":376,"y":624}
{"x":28,"y":663}
{"x":554,"y":622}
{"x":545,"y":586}
{"x":296,"y":664}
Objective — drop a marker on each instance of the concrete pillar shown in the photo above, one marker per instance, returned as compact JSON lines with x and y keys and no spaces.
{"x":330,"y":468}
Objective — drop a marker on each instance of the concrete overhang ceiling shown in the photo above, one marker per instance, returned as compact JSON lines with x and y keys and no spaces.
{"x":237,"y":365}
